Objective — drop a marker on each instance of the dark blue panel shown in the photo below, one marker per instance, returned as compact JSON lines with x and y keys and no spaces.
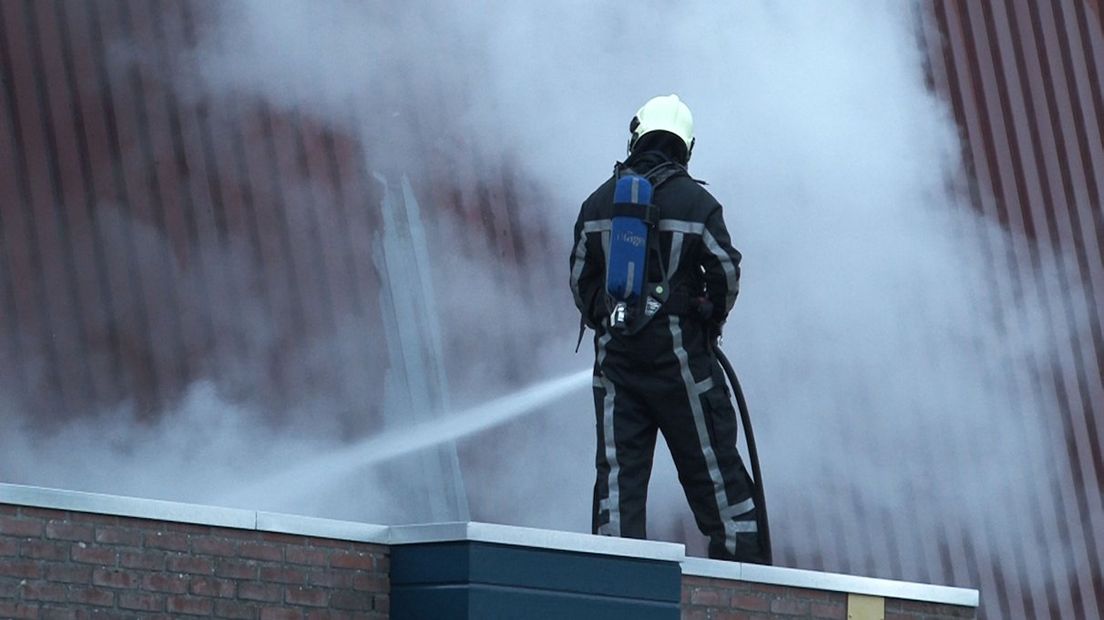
{"x":421,"y":601}
{"x":526,"y":567}
{"x":431,"y":563}
{"x":487,"y":601}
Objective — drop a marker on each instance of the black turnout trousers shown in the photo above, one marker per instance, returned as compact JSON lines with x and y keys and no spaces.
{"x":675,"y":386}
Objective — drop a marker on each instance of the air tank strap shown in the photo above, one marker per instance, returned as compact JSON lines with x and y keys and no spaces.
{"x":629,"y":209}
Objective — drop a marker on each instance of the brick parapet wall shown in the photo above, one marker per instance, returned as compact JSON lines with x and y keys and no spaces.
{"x":61,"y":564}
{"x":705,"y":598}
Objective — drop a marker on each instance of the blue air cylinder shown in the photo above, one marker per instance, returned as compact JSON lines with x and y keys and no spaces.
{"x":628,"y":249}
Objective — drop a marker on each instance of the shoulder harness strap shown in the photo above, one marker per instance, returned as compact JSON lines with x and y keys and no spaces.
{"x":657,"y":176}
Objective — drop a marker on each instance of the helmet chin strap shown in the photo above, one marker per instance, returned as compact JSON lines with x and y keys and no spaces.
{"x":633,"y":124}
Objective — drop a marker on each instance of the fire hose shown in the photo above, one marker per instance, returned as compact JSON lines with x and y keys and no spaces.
{"x":762,"y":522}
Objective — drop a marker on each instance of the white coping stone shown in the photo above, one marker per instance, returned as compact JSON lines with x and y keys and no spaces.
{"x":322,"y":528}
{"x":532,"y":537}
{"x":815,"y":580}
{"x":79,"y":501}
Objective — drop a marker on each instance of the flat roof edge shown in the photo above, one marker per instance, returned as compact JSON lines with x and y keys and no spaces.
{"x":555,"y":540}
{"x":836,"y":582}
{"x":194,"y":514}
{"x":323,"y":528}
{"x":121,"y":506}
{"x":140,"y":508}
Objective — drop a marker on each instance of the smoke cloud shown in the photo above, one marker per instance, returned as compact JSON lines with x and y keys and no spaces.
{"x":891,"y":371}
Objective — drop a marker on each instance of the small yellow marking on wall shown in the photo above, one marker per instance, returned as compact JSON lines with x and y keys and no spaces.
{"x":861,"y":607}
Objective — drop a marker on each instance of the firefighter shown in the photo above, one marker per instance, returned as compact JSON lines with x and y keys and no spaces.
{"x":658,"y":372}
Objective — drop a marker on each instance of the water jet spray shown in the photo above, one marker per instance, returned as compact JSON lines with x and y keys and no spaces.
{"x":401,"y":441}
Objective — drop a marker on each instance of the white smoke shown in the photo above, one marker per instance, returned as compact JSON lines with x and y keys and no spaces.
{"x":890,"y":376}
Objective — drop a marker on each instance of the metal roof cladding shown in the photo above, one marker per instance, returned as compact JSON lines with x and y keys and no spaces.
{"x":1026,"y":84}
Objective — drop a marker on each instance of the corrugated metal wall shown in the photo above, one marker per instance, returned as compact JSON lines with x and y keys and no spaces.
{"x":141,"y":233}
{"x":134,"y":225}
{"x":1024,"y":79}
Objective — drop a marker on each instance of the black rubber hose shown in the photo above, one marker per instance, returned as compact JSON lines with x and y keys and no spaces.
{"x":753,"y":456}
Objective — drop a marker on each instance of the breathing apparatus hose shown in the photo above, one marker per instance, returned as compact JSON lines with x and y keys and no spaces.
{"x":753,"y":455}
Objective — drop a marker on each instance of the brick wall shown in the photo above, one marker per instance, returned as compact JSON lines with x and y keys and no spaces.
{"x":59,"y":564}
{"x":721,"y":599}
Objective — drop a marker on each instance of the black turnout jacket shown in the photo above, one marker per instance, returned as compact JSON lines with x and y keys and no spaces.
{"x":694,"y":245}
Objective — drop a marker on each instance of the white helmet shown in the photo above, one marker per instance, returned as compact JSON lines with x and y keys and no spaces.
{"x":664,"y":114}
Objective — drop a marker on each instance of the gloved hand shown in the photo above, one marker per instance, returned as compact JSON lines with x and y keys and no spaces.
{"x":704,"y":308}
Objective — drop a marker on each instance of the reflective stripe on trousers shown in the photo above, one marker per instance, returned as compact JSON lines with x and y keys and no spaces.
{"x":693,"y":393}
{"x":612,"y":501}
